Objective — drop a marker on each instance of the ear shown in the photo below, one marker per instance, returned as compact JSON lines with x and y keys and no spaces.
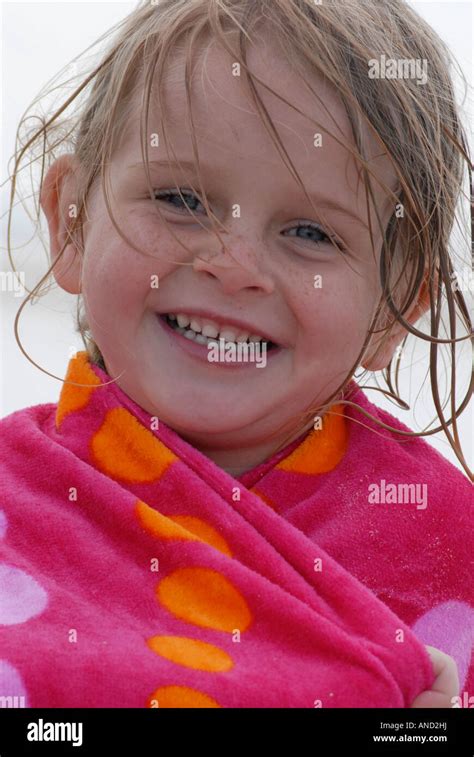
{"x":58,"y":199}
{"x":378,"y":359}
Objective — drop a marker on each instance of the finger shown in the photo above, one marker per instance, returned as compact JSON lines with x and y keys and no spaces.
{"x":432,"y":699}
{"x":446,"y":672}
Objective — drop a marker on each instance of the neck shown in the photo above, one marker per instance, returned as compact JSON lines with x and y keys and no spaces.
{"x":236,"y":462}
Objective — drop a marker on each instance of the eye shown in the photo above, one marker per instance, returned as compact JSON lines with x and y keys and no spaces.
{"x":311,"y":231}
{"x":314,"y":233}
{"x":173,"y":198}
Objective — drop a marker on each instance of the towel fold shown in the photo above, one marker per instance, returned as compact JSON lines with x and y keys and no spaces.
{"x":134,"y":572}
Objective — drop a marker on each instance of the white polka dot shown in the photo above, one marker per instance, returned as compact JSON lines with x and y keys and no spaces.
{"x":21,"y":597}
{"x":11,"y":685}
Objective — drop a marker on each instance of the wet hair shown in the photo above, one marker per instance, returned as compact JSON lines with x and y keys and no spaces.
{"x":418,"y":128}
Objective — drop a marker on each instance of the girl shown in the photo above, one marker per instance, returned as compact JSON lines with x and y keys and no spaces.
{"x":182,"y":529}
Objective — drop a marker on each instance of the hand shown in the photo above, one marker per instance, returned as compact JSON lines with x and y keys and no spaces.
{"x":446,"y":684}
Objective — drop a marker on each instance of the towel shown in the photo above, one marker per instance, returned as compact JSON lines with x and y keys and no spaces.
{"x":135,"y":572}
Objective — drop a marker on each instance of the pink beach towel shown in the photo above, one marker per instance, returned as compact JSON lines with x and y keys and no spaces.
{"x":134,"y":572}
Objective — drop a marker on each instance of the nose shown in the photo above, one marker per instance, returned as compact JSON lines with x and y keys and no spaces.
{"x":235,"y":268}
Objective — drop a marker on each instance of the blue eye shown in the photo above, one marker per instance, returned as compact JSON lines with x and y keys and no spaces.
{"x":190,"y":202}
{"x":174,"y":198}
{"x":312,"y":229}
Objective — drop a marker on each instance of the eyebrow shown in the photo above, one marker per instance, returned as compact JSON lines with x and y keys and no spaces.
{"x":318,"y":200}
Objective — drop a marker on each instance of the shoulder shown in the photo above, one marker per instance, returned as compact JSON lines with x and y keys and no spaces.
{"x":23,"y":427}
{"x":408,"y":457}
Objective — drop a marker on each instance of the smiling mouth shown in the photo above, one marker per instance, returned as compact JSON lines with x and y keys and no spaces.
{"x":195,"y":335}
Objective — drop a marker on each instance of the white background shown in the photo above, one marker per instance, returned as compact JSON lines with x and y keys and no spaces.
{"x":39,"y":39}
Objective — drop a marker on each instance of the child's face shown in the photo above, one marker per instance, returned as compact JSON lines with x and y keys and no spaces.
{"x":269,"y":283}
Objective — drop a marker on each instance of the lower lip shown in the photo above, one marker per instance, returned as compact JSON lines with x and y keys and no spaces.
{"x":201,"y":351}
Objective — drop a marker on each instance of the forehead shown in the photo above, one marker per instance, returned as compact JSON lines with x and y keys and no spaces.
{"x":229,"y":129}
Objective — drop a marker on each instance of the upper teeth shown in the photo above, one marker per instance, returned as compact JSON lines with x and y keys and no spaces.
{"x":212,"y":329}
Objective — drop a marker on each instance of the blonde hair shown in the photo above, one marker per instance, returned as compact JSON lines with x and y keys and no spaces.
{"x":418,"y":128}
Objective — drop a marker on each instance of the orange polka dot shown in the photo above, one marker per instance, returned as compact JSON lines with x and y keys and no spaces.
{"x":191,"y":653}
{"x":185,"y":527}
{"x":180,"y":696}
{"x":124,"y":449}
{"x":204,"y":597}
{"x":322,"y":450}
{"x":73,"y":398}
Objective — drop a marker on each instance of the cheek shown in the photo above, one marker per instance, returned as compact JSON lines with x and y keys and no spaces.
{"x":117,"y":279}
{"x":338,"y":312}
{"x":109,"y":277}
